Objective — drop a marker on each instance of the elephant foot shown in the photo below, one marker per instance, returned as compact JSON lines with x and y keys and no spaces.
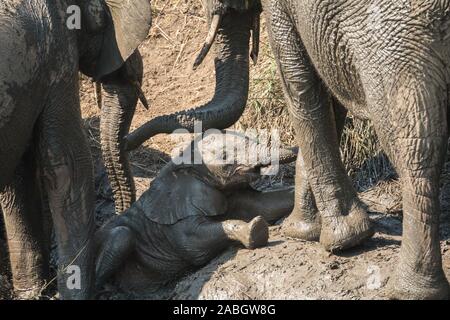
{"x":344,"y":232}
{"x":256,"y":234}
{"x":297,"y":227}
{"x":29,"y":294}
{"x":411,"y":285}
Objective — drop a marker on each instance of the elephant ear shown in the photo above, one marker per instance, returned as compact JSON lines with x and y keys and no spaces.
{"x":130,"y":23}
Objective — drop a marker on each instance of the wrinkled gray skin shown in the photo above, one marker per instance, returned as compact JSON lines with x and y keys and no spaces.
{"x":387,"y":61}
{"x":189,"y":215}
{"x":43,"y":151}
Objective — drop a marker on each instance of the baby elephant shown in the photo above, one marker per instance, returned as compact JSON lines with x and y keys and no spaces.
{"x":191,"y":213}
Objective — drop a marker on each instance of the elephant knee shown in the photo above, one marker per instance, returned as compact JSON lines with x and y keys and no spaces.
{"x":117,"y":244}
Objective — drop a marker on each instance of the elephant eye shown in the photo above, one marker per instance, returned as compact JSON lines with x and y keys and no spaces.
{"x":224,"y":156}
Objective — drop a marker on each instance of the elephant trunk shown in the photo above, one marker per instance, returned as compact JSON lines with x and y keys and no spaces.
{"x":119,"y":103}
{"x":119,"y":99}
{"x":285,"y":156}
{"x":232,"y":84}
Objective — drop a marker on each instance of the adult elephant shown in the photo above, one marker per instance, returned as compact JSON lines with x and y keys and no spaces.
{"x":42,"y":146}
{"x":387,"y":61}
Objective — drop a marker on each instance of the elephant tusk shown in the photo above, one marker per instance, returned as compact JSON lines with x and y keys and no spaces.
{"x":215,"y":24}
{"x":256,"y":38}
{"x":98,"y":94}
{"x":141,"y":94}
{"x":288,"y":155}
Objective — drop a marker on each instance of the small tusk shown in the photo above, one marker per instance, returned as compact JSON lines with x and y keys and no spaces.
{"x":141,"y":94}
{"x":98,"y":94}
{"x":215,"y":24}
{"x":255,"y":39}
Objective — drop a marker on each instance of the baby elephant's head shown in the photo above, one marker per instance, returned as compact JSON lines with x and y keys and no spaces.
{"x":230,"y":159}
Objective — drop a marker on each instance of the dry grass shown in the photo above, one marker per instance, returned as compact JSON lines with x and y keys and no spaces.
{"x":267,"y":107}
{"x":363,"y":156}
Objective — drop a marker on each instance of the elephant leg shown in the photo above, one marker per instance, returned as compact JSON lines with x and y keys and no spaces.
{"x":27,"y":241}
{"x":67,"y":173}
{"x":248,"y":204}
{"x":5,"y":290}
{"x":304,"y":222}
{"x":200,"y":239}
{"x":345,"y":222}
{"x":417,"y":146}
{"x":114,"y":246}
{"x":119,"y":98}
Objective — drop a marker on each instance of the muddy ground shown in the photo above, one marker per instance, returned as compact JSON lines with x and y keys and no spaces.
{"x":286,"y":269}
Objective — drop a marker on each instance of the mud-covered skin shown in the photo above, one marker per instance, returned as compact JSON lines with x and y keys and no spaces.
{"x":305,"y":221}
{"x":40,"y":115}
{"x":189,"y":215}
{"x":119,"y":100}
{"x":29,"y":258}
{"x":33,"y":62}
{"x":387,"y":61}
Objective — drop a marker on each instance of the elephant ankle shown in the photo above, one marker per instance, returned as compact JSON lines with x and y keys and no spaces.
{"x":409,"y":284}
{"x":344,"y":232}
{"x":302,"y":227}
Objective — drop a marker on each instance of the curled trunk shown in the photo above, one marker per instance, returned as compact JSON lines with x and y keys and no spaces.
{"x":232,"y":84}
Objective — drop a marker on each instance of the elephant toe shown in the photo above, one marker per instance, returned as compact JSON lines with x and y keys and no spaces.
{"x":298,"y":228}
{"x":344,"y":232}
